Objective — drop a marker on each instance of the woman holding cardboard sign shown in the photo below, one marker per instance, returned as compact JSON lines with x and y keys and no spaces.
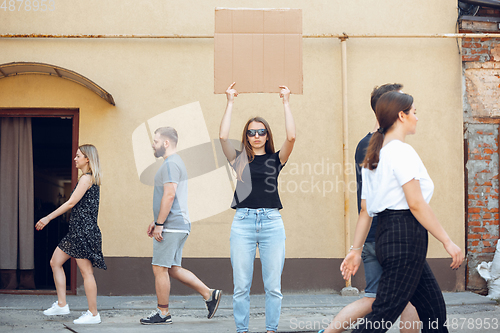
{"x":257,"y":222}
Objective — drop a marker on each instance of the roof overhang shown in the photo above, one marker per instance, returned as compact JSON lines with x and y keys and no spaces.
{"x":37,"y":68}
{"x":484,"y":3}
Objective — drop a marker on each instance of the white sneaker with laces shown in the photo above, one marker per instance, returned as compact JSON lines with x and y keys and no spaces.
{"x":55,"y":309}
{"x":88,"y":318}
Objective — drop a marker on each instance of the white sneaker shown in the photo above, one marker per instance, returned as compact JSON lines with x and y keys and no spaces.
{"x":88,"y":318}
{"x":55,"y":309}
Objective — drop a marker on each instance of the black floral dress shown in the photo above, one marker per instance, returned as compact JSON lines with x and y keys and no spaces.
{"x":84,"y":240}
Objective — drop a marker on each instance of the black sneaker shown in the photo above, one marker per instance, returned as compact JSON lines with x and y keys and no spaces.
{"x":213,"y":303}
{"x":155,"y":318}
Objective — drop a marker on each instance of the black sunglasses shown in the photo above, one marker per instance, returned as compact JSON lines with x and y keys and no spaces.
{"x":252,"y":132}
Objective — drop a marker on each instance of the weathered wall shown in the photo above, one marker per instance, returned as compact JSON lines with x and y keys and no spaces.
{"x":481,"y":72}
{"x":482,"y":173}
{"x":481,"y":57}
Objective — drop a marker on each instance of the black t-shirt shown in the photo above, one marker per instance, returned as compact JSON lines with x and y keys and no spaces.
{"x":259,"y":188}
{"x":359,"y":157}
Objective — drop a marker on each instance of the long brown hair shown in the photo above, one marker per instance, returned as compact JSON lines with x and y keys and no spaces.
{"x":247,"y":155}
{"x":387,"y":111}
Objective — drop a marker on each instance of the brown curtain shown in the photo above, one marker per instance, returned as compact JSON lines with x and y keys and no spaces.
{"x":16,"y":196}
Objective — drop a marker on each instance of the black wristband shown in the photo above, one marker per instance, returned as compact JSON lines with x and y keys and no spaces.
{"x":156,"y":223}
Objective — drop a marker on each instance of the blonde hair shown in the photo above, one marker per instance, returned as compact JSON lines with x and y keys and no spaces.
{"x":90,"y":152}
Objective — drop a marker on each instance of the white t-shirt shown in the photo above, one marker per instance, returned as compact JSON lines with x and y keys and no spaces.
{"x":383,"y":187}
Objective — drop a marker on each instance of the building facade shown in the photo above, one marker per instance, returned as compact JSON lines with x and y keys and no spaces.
{"x":170,"y":82}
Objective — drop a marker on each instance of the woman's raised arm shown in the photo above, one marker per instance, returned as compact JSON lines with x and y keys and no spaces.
{"x":225,"y":125}
{"x":287,"y":147}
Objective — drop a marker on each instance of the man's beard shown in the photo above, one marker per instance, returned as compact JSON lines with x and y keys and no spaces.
{"x":160,"y":151}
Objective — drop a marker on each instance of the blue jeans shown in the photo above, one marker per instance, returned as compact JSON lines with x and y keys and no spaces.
{"x":254,"y":228}
{"x":373,"y":269}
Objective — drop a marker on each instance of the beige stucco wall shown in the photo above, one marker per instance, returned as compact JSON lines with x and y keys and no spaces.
{"x":151,"y":76}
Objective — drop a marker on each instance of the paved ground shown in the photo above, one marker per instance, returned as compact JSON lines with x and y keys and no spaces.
{"x":467,"y":312}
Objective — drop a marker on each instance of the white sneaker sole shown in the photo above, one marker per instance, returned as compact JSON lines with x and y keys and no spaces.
{"x":87,"y":322}
{"x":56,"y":314}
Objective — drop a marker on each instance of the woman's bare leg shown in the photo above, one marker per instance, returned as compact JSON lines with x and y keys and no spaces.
{"x":59,"y":257}
{"x":89,"y":283}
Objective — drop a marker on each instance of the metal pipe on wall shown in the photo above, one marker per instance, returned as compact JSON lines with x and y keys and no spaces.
{"x":345,"y":141}
{"x":451,"y":35}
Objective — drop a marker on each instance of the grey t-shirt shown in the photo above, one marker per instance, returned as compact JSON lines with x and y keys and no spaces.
{"x":173,"y":170}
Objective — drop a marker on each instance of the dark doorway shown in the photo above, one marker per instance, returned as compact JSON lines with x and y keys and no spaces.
{"x":54,"y":142}
{"x":52,"y":163}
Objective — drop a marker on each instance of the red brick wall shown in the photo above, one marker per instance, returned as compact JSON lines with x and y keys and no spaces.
{"x":479,"y":49}
{"x":482,"y":223}
{"x":481,"y":63}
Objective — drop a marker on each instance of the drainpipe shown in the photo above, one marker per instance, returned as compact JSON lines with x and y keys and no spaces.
{"x":345,"y":138}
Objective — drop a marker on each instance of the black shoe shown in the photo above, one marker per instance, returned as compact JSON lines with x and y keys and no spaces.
{"x":213,"y":303}
{"x":155,"y":318}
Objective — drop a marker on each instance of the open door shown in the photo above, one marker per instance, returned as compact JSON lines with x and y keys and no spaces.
{"x":54,"y":134}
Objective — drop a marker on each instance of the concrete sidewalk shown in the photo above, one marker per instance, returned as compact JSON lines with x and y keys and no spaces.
{"x":467,"y":312}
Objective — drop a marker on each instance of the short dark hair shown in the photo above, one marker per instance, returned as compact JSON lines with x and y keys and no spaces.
{"x":169,"y":133}
{"x":379,"y":91}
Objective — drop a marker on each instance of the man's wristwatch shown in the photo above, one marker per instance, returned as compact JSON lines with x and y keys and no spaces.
{"x":156,"y":223}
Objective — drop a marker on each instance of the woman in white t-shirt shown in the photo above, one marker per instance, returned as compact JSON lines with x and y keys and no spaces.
{"x":397,"y":188}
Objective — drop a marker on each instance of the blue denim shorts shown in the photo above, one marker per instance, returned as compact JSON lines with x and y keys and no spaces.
{"x":373,"y":269}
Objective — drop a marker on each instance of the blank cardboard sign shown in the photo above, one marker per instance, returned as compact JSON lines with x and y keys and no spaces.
{"x":259,"y":49}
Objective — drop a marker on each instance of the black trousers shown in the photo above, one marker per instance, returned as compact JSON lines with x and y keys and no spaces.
{"x":401,"y":247}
